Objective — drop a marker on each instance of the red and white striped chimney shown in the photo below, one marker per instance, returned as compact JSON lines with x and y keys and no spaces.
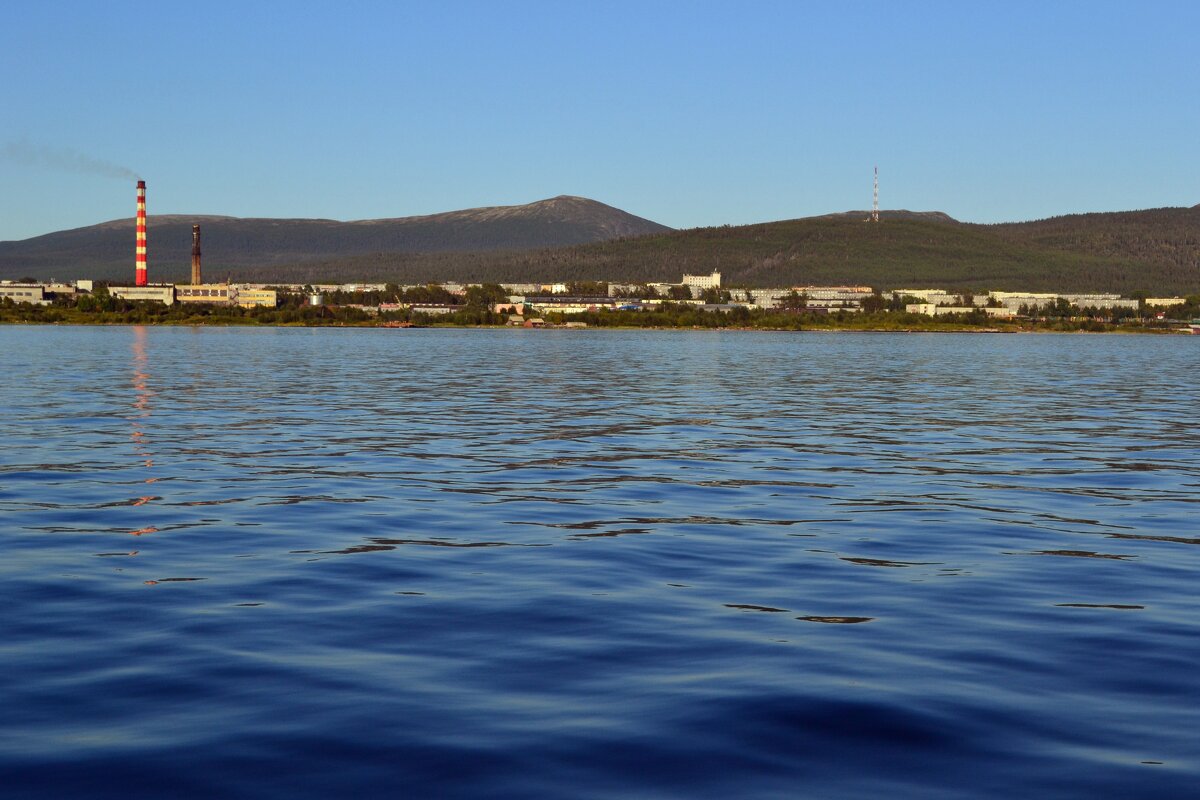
{"x":140,"y":253}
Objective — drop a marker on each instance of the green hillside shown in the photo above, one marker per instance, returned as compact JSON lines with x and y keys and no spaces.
{"x":1166,"y":237}
{"x":1156,"y":251}
{"x":903,"y":250}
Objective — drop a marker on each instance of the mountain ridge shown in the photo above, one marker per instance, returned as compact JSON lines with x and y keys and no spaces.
{"x":105,"y":249}
{"x":1155,"y":250}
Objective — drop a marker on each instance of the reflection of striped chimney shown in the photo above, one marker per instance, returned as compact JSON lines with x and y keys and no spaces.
{"x":140,"y":253}
{"x":196,"y":256}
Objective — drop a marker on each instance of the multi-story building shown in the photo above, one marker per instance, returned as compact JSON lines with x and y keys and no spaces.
{"x":835,"y":297}
{"x":768,"y":298}
{"x":1015,"y":300}
{"x":835,"y":292}
{"x":920,"y":294}
{"x":1099,"y":301}
{"x":249,"y":297}
{"x":617,"y":288}
{"x":1165,"y":302}
{"x":703,"y":282}
{"x":362,"y":287}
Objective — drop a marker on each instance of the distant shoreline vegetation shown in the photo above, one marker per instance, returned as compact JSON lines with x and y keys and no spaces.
{"x":115,"y":311}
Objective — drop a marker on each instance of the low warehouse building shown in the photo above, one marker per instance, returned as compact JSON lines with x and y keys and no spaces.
{"x":24,"y":293}
{"x":931,"y":310}
{"x":164,"y":294}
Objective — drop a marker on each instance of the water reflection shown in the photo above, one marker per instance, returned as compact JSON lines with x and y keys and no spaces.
{"x":142,"y":397}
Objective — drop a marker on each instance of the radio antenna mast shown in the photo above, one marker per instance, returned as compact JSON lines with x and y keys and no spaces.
{"x":875,"y":206}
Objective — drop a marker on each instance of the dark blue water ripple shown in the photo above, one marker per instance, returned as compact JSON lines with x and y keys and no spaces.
{"x":315,"y":563}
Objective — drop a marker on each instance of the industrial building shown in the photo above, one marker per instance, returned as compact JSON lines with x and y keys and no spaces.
{"x":33,"y":293}
{"x":227,"y":294}
{"x":249,"y":297}
{"x":161,"y":293}
{"x":218,"y":293}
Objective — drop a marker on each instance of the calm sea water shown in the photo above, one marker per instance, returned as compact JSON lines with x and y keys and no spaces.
{"x":290,"y":563}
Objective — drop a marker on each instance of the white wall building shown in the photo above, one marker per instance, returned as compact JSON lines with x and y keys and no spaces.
{"x":702,"y":282}
{"x":933,"y":310}
{"x":768,"y":298}
{"x":856,"y":293}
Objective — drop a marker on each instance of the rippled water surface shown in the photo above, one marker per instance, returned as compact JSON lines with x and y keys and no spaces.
{"x":591,"y":564}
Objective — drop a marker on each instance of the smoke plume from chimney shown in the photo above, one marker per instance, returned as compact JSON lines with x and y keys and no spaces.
{"x":63,"y":158}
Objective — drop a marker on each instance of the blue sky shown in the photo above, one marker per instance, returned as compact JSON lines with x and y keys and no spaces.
{"x":689,"y":113}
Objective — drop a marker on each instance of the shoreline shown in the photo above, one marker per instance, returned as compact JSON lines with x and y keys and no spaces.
{"x":1132,"y":331}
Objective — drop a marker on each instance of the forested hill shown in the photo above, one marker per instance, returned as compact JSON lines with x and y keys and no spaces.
{"x":1155,"y":251}
{"x":1164,"y":236}
{"x":248,"y":246}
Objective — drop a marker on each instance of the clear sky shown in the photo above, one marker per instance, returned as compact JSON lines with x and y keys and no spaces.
{"x":689,"y":113}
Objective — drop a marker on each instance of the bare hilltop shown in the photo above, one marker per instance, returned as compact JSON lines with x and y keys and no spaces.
{"x":248,"y":246}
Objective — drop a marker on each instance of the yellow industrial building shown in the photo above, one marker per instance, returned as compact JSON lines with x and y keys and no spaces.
{"x":220,"y":293}
{"x":249,"y":298}
{"x":226,"y":294}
